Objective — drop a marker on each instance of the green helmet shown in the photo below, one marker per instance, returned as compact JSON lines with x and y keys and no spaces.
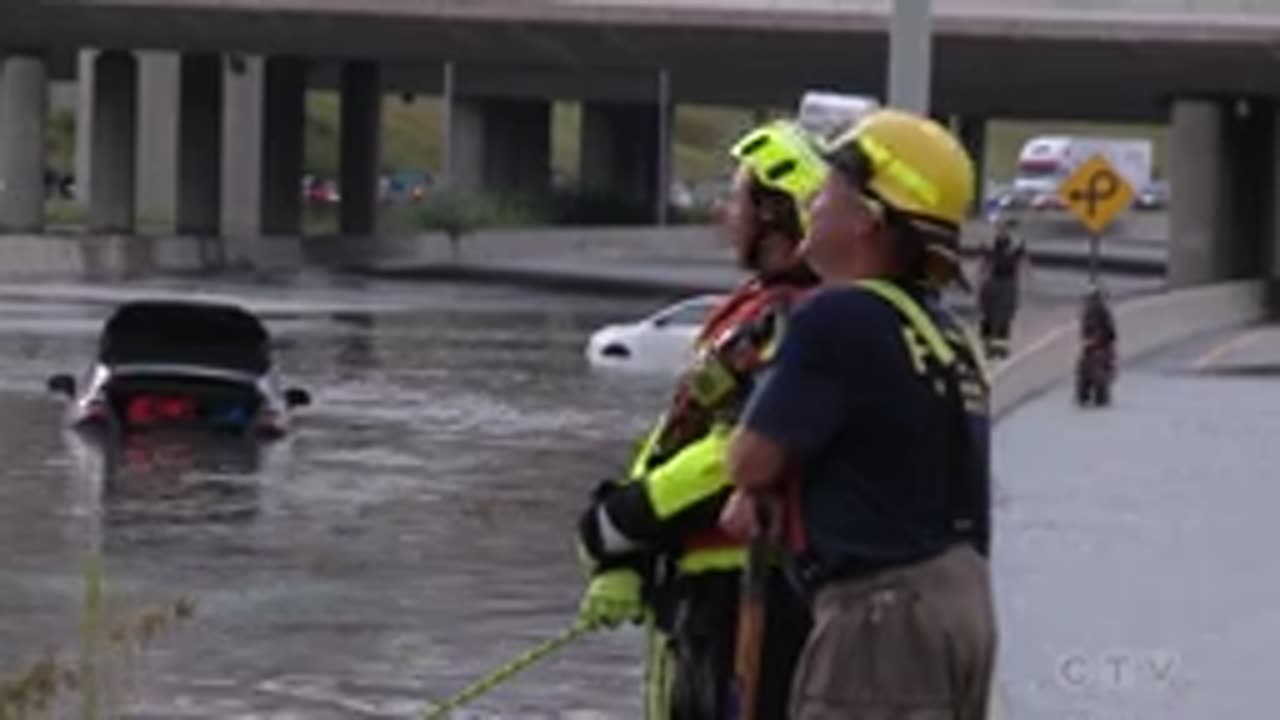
{"x":782,"y":156}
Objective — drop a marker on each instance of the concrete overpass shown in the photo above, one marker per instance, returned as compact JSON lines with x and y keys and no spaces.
{"x":1122,"y":60}
{"x":1210,"y":66}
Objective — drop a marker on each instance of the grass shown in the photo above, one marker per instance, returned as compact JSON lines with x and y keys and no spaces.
{"x":110,"y":643}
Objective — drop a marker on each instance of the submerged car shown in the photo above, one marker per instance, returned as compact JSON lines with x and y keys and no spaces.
{"x":164,"y":365}
{"x":661,"y":341}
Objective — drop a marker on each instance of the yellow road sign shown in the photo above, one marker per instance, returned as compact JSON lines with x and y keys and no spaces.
{"x":1096,"y":193}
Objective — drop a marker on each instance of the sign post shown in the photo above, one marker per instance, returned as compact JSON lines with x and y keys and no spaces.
{"x":1096,"y":193}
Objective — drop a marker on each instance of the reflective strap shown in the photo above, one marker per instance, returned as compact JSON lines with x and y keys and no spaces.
{"x":697,"y":472}
{"x":916,"y":317}
{"x":712,"y":560}
{"x":641,"y":460}
{"x":657,"y":672}
{"x":612,"y":540}
{"x":976,"y":350}
{"x":885,"y":162}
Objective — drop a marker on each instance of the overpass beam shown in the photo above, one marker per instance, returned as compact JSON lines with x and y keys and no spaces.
{"x":619,"y":153}
{"x":1222,"y":180}
{"x":499,"y":145}
{"x":200,"y":145}
{"x":284,"y":117}
{"x":23,"y":114}
{"x":359,"y":151}
{"x":114,"y":134}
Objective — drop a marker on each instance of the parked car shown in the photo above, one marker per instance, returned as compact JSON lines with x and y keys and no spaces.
{"x":1047,"y":201}
{"x":181,"y":365}
{"x":1154,"y":196}
{"x":662,"y":341}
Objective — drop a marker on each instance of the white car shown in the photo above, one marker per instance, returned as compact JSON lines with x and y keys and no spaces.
{"x":662,"y":341}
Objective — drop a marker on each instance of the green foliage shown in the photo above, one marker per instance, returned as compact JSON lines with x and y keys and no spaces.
{"x":60,"y":140}
{"x":110,"y":643}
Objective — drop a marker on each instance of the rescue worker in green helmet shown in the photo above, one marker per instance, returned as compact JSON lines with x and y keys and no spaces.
{"x":652,"y":542}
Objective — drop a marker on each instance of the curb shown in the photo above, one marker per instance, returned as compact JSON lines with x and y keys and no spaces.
{"x":558,"y":279}
{"x":610,"y":281}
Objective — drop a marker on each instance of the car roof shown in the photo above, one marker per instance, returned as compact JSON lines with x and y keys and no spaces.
{"x":179,"y":332}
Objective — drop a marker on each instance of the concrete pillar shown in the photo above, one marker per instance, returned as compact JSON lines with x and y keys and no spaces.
{"x":1222,"y":182}
{"x":114,"y":135}
{"x":200,"y":145}
{"x":359,"y":147}
{"x":1272,"y":241}
{"x":284,"y":116}
{"x":618,"y":155}
{"x":499,"y":145}
{"x":666,"y":163}
{"x":158,"y":128}
{"x":242,"y":117}
{"x":1196,"y":174}
{"x":1250,"y":183}
{"x":972,"y":132}
{"x":23,"y":112}
{"x":911,"y":55}
{"x":84,"y":122}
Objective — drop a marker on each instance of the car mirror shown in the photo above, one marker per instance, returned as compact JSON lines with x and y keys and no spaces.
{"x":62,"y":384}
{"x":297,"y":397}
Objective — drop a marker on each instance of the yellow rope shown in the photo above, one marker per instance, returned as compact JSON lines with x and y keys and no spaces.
{"x":505,"y":672}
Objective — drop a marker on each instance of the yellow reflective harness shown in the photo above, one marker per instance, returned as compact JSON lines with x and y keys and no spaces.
{"x":921,"y":334}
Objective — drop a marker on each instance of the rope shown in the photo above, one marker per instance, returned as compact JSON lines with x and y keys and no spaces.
{"x":505,"y":672}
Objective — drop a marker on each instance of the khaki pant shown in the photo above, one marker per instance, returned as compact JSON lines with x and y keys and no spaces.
{"x":912,"y":643}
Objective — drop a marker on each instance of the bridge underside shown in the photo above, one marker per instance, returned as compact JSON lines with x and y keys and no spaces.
{"x":1008,"y":75}
{"x":497,"y":65}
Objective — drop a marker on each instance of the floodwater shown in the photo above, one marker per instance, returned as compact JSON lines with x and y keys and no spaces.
{"x":414,"y":531}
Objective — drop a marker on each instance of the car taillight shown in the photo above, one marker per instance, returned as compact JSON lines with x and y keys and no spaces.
{"x":149,"y":409}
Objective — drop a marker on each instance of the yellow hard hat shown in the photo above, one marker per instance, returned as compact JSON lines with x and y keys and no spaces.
{"x":912,"y":164}
{"x":781,"y":155}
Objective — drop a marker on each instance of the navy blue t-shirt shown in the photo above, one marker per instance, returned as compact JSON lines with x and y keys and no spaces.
{"x":872,"y":429}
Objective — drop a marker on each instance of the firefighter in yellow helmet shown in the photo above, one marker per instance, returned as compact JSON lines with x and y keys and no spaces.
{"x":652,"y":542}
{"x":880,"y":397}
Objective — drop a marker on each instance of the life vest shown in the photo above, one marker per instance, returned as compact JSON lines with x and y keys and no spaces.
{"x":709,"y":549}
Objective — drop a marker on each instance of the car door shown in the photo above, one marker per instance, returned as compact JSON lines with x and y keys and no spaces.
{"x":672,"y":332}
